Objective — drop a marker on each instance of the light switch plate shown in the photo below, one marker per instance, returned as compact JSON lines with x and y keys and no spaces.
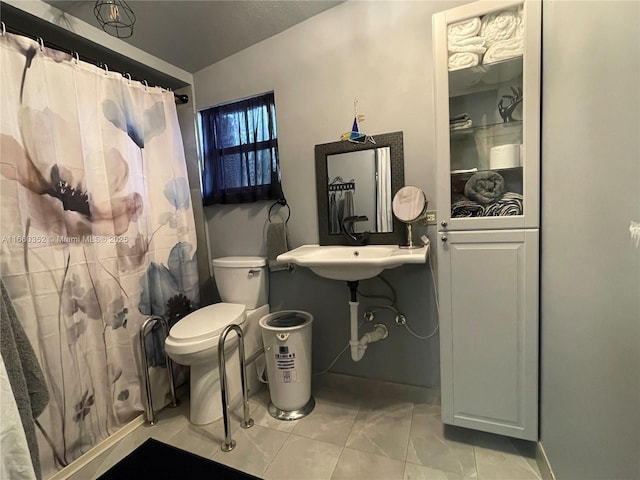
{"x":430,"y":218}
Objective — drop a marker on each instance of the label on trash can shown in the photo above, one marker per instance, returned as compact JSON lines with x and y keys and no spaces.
{"x":286,"y":365}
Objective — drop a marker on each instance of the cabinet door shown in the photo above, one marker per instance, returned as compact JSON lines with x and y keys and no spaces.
{"x":489,"y":330}
{"x":488,"y":117}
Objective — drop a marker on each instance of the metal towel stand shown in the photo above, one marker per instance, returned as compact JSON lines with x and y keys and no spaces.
{"x":229,"y":444}
{"x":148,"y":407}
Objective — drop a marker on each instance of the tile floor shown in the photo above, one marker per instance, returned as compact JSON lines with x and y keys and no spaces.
{"x":360,"y":429}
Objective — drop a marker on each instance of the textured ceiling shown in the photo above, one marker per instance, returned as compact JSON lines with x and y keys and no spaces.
{"x":194,"y":34}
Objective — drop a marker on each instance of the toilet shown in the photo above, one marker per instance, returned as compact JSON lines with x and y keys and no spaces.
{"x":243,"y":285}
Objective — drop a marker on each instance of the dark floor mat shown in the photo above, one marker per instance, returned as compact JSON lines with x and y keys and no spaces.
{"x":154,"y":460}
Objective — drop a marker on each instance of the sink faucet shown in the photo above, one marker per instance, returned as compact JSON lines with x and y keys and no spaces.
{"x":353,"y":237}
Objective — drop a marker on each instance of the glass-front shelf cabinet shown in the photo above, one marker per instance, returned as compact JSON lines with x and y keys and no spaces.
{"x":487,"y":114}
{"x":487,"y":57}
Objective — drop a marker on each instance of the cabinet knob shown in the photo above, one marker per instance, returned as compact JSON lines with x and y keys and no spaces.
{"x":444,"y":238}
{"x":443,"y":223}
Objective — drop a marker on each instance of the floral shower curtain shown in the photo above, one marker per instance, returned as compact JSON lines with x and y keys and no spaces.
{"x":97,"y":233}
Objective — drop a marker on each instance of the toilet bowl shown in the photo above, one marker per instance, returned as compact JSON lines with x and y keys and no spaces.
{"x":243,"y":286}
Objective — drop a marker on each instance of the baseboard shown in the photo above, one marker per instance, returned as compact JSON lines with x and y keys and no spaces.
{"x":543,"y":463}
{"x":98,"y":449}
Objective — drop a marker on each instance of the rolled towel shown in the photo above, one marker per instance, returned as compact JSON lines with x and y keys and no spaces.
{"x":470,"y":44}
{"x":461,"y":60}
{"x":484,"y":187}
{"x":465,"y":28}
{"x":466,"y":208}
{"x":498,"y":26}
{"x":520,"y":16}
{"x":504,"y":49}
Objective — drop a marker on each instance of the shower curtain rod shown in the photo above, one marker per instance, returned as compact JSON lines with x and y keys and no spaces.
{"x":180,"y":98}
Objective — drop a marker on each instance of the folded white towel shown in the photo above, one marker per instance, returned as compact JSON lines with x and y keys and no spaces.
{"x":465,"y":28}
{"x":461,"y":125}
{"x":503,"y":50}
{"x":468,"y":44}
{"x":463,"y":60}
{"x":498,"y":26}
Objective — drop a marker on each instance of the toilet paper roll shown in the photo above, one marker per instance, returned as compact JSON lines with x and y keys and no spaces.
{"x":504,"y":156}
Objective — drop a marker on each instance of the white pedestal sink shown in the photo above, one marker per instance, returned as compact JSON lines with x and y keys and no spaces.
{"x":351,"y":264}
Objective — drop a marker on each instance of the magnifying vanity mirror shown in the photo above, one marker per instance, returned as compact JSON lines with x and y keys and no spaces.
{"x":410,"y":206}
{"x":357,"y":182}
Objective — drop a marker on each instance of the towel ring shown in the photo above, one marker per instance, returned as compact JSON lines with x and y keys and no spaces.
{"x":282,"y":203}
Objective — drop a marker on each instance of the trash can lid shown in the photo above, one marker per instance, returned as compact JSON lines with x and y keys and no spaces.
{"x":286,"y":319}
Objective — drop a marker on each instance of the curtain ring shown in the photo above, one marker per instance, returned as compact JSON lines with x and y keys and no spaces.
{"x":41,"y":42}
{"x":146,"y":84}
{"x":4,"y":29}
{"x":76,"y":57}
{"x":128,"y":77}
{"x":106,"y":68}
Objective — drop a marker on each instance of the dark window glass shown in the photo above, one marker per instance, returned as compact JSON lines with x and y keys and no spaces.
{"x":240,"y":151}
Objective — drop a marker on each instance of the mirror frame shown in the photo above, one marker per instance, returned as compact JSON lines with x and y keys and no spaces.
{"x":395,"y":143}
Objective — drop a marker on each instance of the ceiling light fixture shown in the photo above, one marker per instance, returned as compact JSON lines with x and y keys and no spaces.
{"x":115,"y":17}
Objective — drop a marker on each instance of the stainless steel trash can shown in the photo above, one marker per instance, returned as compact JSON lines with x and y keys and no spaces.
{"x":287,"y":343}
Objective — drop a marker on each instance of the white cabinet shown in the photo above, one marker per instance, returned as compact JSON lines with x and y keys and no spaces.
{"x":489,"y":330}
{"x":487,"y":114}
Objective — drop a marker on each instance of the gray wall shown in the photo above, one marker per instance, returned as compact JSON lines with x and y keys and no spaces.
{"x":379,"y":53}
{"x":590,"y":283}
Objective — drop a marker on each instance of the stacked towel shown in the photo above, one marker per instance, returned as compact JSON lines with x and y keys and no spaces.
{"x":464,"y":29}
{"x":503,"y":32}
{"x":471,"y":44}
{"x":463,"y":43}
{"x":504,"y":49}
{"x":461,"y":60}
{"x":463,"y":120}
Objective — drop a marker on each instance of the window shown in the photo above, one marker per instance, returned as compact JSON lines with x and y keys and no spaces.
{"x":240,"y":151}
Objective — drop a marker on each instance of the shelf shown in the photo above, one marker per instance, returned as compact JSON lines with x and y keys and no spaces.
{"x":499,"y":170}
{"x":483,"y":77}
{"x":494,"y":128}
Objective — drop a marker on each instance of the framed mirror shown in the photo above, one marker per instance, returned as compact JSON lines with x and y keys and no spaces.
{"x":360,"y":179}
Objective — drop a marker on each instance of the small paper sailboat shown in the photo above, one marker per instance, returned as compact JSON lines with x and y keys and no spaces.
{"x":355,"y":136}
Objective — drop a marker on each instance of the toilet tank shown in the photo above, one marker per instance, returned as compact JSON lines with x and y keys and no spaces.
{"x":243,"y":280}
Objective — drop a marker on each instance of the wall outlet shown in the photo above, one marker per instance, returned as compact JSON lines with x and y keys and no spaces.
{"x":430,"y":218}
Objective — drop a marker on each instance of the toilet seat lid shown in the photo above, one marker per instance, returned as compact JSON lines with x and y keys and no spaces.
{"x":207,"y":322}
